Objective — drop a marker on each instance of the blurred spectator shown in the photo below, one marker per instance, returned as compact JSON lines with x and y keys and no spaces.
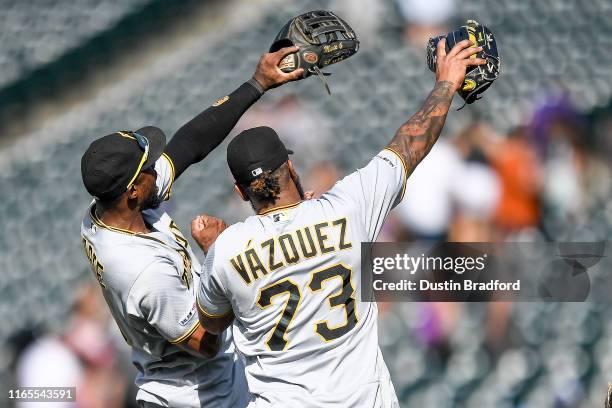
{"x":517,"y":166}
{"x":477,"y":200}
{"x":557,"y":129}
{"x":48,"y":362}
{"x":562,"y":167}
{"x":497,"y":324}
{"x":554,"y":116}
{"x":82,"y":357}
{"x":89,"y":338}
{"x":427,"y":208}
{"x":436,"y":323}
{"x":477,"y":190}
{"x":87,"y":331}
{"x":321,"y":177}
{"x":425,"y":19}
{"x":366,"y":24}
{"x":576,"y":175}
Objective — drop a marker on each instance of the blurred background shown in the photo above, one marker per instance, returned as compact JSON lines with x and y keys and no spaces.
{"x":530,"y":162}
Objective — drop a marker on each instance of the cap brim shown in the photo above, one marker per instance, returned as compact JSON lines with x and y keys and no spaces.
{"x":157,"y":143}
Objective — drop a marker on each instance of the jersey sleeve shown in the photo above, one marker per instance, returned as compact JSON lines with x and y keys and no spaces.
{"x":211,"y":298}
{"x":165,"y":176}
{"x":160,"y":297}
{"x":374,"y":189}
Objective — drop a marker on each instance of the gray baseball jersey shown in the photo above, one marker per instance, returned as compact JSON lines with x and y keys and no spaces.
{"x":148,"y":281}
{"x":291,"y":276}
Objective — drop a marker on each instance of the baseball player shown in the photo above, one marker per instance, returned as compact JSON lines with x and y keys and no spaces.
{"x":146,"y":269}
{"x":288,"y":277}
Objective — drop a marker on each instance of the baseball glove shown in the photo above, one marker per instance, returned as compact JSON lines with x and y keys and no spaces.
{"x":477,"y":78}
{"x":323,"y":39}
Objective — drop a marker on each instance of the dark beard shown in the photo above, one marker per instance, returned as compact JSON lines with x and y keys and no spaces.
{"x":153,"y":200}
{"x":298,"y":185}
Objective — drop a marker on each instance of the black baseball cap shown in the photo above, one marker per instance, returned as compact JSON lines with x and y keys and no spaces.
{"x":112,"y":163}
{"x":254,"y":151}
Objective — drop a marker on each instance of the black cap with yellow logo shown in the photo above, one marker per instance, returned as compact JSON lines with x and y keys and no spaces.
{"x":111,"y":164}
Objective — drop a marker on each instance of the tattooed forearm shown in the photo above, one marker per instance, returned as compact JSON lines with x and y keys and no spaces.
{"x":415,"y":138}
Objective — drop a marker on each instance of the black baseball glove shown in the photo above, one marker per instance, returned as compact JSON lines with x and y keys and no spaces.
{"x":323,"y":39}
{"x":477,"y":78}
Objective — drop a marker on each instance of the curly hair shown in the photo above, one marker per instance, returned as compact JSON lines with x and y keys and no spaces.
{"x":266,"y":187}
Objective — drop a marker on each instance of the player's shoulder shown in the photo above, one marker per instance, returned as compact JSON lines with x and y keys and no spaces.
{"x":386,"y":163}
{"x":120,"y":254}
{"x":153,"y":270}
{"x":236,"y":236}
{"x":126,"y":254}
{"x":390,"y":158}
{"x":235,"y":230}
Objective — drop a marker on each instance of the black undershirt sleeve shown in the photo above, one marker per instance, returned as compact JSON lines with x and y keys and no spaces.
{"x":198,"y":137}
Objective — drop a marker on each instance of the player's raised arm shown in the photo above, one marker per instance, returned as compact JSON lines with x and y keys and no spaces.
{"x":415,"y":138}
{"x":198,"y":137}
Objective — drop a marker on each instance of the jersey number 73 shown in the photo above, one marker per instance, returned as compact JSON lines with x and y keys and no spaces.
{"x":277,"y":341}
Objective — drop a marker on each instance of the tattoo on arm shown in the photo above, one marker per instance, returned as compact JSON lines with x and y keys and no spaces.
{"x":415,"y":138}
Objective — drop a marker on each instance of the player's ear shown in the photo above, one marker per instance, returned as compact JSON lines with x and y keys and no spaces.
{"x":241,"y":193}
{"x":136,"y":187}
{"x":132,"y":192}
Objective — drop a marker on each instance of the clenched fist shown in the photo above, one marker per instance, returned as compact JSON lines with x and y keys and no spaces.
{"x":205,"y":229}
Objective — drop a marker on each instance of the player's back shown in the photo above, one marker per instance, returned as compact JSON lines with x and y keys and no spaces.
{"x":292,"y":277}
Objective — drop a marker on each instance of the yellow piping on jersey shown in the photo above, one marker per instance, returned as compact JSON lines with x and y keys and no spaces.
{"x":186,"y":335}
{"x":399,"y":156}
{"x":282,"y":207}
{"x":100,"y":224}
{"x":179,"y":239}
{"x":211,"y":315}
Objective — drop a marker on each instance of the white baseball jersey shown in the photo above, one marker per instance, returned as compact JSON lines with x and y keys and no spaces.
{"x":148,"y":281}
{"x":291,"y":277}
